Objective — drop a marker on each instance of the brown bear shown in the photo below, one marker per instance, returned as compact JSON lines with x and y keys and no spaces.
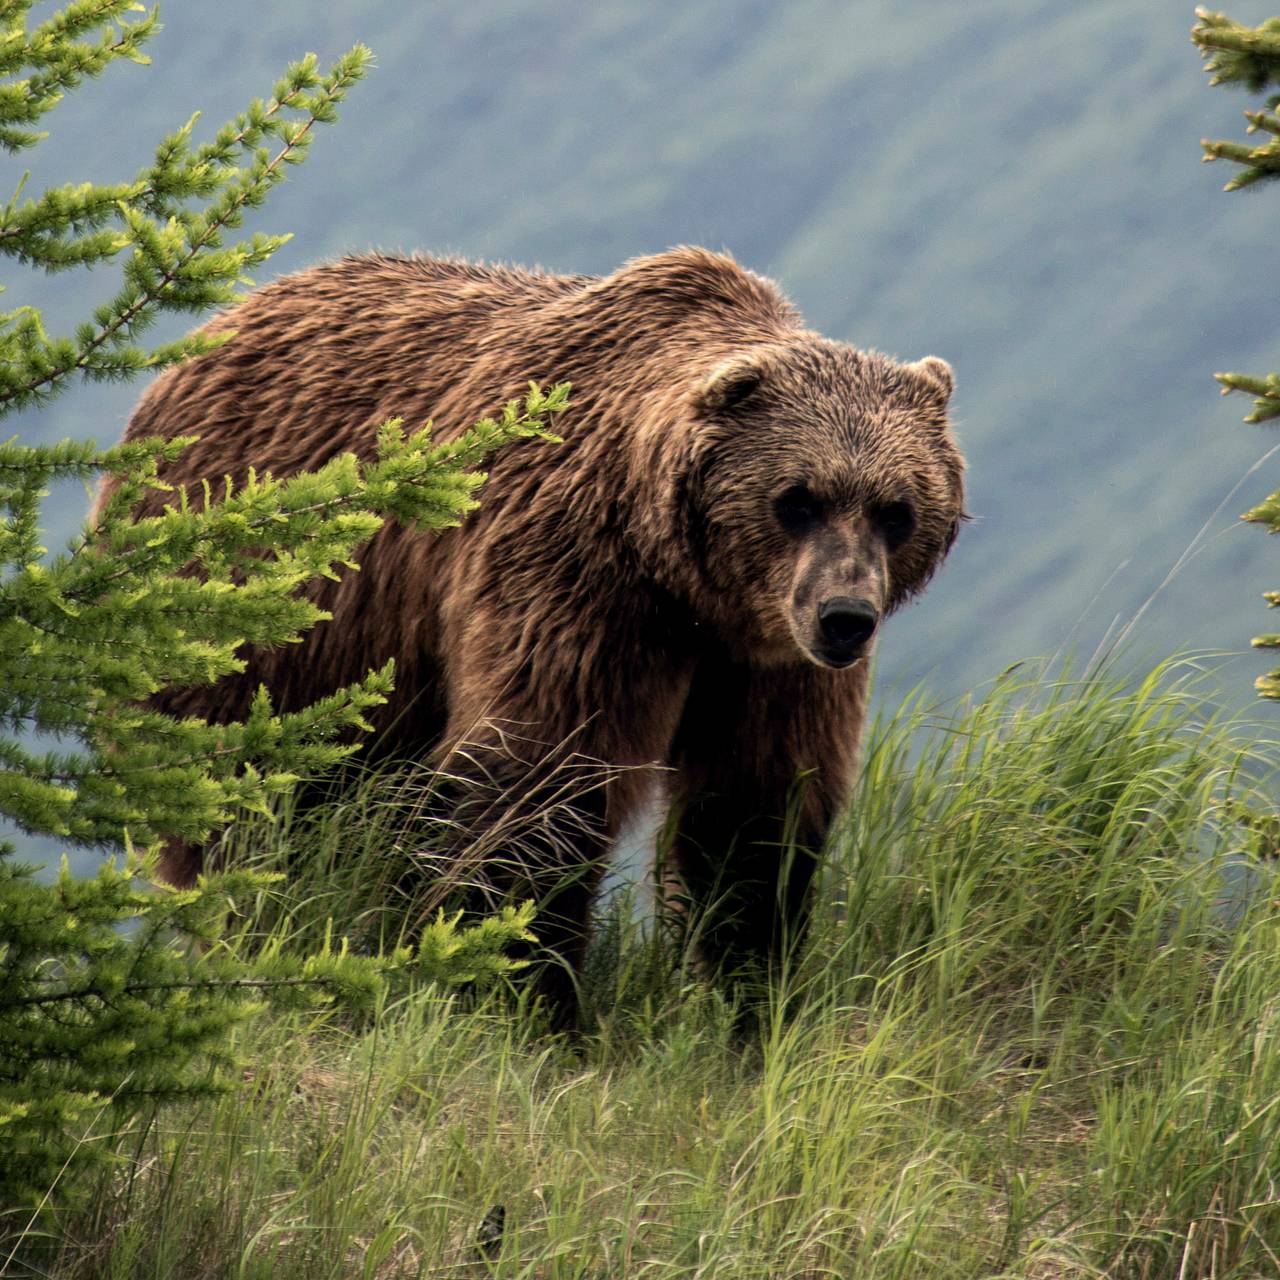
{"x":688,"y":586}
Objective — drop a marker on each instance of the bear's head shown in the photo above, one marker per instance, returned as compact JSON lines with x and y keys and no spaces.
{"x":819,"y":489}
{"x":791,"y":490}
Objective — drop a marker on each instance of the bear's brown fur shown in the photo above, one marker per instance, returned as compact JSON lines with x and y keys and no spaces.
{"x":688,"y":581}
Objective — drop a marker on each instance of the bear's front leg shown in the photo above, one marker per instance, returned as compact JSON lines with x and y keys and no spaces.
{"x":765,"y":760}
{"x":524,"y":817}
{"x":550,"y":750}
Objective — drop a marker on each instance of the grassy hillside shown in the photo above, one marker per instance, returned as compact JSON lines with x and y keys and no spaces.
{"x":1034,"y":1034}
{"x":1035,"y":1037}
{"x":1015,"y":187}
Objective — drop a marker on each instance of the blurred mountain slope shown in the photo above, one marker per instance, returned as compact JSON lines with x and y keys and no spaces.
{"x":1014,"y":186}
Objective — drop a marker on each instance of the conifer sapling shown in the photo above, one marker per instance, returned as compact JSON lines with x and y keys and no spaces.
{"x":103,"y":1007}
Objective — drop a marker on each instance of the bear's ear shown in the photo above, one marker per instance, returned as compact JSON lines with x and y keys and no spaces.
{"x":730,"y":385}
{"x":937,"y":372}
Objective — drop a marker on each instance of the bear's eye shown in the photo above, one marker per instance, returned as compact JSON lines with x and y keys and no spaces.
{"x":798,"y":509}
{"x":896,"y":521}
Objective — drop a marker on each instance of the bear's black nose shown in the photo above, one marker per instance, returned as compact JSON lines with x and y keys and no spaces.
{"x":846,"y":623}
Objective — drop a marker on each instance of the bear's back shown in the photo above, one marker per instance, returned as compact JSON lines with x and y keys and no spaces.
{"x":321,"y":357}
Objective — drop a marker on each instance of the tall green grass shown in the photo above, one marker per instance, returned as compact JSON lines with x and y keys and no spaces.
{"x":1034,"y":1035}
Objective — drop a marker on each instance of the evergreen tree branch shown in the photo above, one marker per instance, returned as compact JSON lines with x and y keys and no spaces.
{"x":1267,"y":405}
{"x":174,"y":266}
{"x":59,"y":59}
{"x":1236,"y":54}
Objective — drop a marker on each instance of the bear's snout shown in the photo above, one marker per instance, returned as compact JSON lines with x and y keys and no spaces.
{"x":845,"y":624}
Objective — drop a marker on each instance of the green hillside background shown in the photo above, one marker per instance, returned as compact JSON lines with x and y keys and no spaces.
{"x":1013,"y":186}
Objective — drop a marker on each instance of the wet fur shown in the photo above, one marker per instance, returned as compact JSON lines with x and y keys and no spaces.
{"x":625,"y":597}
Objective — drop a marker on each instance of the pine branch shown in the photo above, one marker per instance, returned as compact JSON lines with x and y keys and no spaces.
{"x":176,"y":174}
{"x":1235,"y":54}
{"x":1267,"y":405}
{"x":123,"y":616}
{"x":59,"y":59}
{"x":162,"y":274}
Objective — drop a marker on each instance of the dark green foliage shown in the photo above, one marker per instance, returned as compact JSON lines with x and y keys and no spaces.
{"x":104,"y":1004}
{"x":1250,"y":56}
{"x":101,"y":1014}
